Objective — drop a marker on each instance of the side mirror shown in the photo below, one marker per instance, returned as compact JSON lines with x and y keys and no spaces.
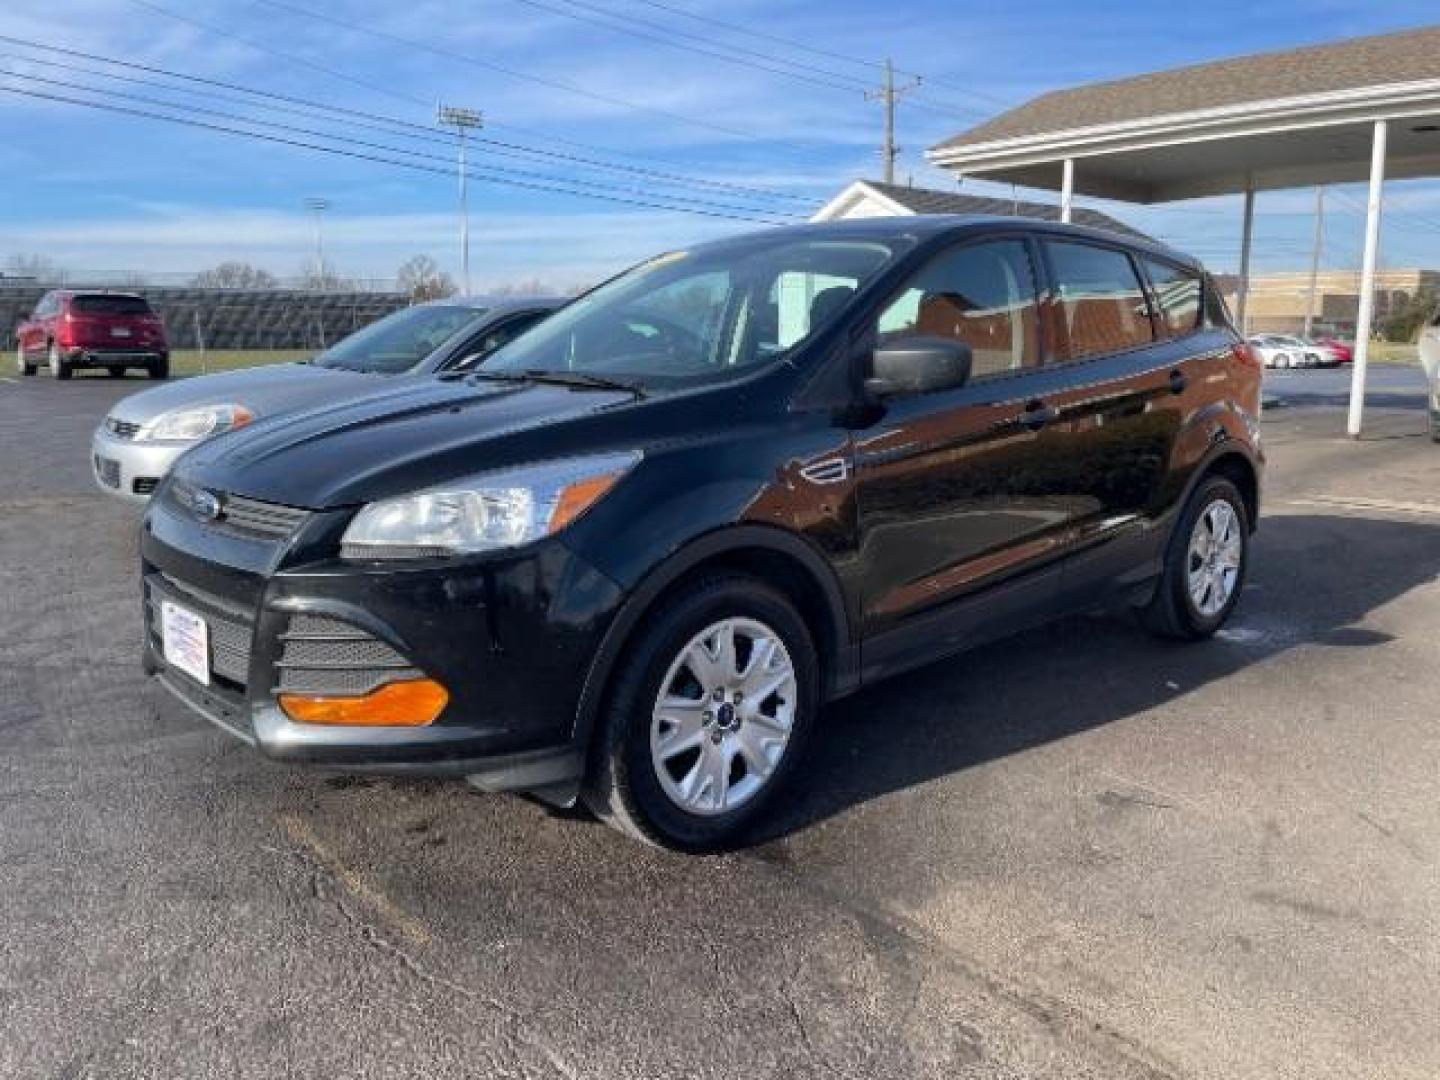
{"x":919,"y":365}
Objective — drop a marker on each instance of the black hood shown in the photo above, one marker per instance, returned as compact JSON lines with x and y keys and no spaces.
{"x":407,"y":435}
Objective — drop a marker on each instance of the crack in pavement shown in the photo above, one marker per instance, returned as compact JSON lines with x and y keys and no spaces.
{"x":325,"y":866}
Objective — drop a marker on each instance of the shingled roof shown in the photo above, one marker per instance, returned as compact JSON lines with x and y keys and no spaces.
{"x":928,"y":201}
{"x":1385,"y":59}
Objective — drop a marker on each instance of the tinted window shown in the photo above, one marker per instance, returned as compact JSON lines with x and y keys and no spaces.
{"x":1216,"y":313}
{"x":703,"y":316}
{"x":109,"y":305}
{"x":1101,"y":306}
{"x":502,"y":334}
{"x":981,"y":294}
{"x":400,"y":341}
{"x":1177,"y":292}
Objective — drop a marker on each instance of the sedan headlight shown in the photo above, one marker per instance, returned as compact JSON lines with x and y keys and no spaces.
{"x":491,"y":511}
{"x":190,"y":425}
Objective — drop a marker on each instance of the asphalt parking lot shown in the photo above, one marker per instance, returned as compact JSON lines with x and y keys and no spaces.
{"x":1076,"y":853}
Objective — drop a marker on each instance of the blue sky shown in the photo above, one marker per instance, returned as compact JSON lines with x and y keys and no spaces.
{"x":112,"y":193}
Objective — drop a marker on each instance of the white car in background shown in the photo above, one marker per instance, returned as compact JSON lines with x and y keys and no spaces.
{"x":1284,"y":351}
{"x":1430,"y":361}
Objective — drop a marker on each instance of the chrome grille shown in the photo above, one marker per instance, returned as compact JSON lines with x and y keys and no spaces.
{"x":230,"y":626}
{"x":240,"y":515}
{"x":321,"y":655}
{"x":121,"y":429}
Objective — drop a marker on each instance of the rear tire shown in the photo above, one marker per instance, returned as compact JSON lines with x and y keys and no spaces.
{"x":1205,"y":565}
{"x":59,"y":366}
{"x":22,"y":362}
{"x":116,"y":372}
{"x":683,"y":764}
{"x":159,"y":369}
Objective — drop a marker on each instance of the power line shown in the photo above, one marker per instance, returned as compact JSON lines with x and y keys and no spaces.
{"x":515,"y":73}
{"x":365,"y":156}
{"x":499,"y":172}
{"x":411,"y":130}
{"x":793,"y":43}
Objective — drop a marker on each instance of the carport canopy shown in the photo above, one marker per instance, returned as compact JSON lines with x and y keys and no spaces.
{"x":1358,"y":109}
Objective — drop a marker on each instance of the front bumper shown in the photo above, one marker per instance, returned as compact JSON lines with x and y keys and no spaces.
{"x":510,"y":638}
{"x":131,"y":469}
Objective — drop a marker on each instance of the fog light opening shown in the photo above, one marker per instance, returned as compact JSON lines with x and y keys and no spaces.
{"x":410,"y":703}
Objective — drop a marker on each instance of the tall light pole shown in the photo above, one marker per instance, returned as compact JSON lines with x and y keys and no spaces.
{"x":463,"y":121}
{"x":317,"y":205}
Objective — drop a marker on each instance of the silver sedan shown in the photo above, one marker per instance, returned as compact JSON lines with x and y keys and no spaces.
{"x":135,"y":445}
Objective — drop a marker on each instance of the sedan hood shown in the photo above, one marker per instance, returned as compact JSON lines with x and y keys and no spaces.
{"x":264,"y":390}
{"x":407,"y":434}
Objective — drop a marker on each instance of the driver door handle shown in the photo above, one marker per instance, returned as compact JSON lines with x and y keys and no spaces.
{"x":1178,"y":381}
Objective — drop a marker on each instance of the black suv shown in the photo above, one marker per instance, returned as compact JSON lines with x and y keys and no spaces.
{"x":631,"y":558}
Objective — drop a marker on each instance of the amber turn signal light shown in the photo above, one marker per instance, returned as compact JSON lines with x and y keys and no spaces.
{"x":411,"y":703}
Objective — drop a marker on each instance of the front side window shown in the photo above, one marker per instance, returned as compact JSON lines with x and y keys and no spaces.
{"x":1100,"y":304}
{"x":982,"y":295}
{"x":695,"y":318}
{"x":399,"y":341}
{"x":1177,"y":294}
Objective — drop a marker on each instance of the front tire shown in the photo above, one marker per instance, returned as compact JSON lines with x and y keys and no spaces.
{"x":708,"y":712}
{"x":1205,"y":565}
{"x":22,"y":362}
{"x":59,"y":366}
{"x":159,"y":369}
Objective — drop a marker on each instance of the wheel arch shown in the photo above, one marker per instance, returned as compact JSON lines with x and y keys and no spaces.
{"x":769,"y":554}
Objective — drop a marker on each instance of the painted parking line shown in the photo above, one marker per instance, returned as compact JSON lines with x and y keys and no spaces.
{"x":1389,"y":506}
{"x":353,"y":883}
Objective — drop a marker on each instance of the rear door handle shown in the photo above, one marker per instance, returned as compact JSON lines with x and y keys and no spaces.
{"x":1178,"y":381}
{"x":1037,"y":414}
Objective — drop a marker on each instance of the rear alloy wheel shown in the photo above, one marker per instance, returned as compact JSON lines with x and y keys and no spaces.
{"x":59,"y":366}
{"x":708,"y":714}
{"x":22,"y":362}
{"x":1205,"y":566}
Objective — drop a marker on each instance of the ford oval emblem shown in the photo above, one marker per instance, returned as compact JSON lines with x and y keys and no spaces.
{"x":205,"y":504}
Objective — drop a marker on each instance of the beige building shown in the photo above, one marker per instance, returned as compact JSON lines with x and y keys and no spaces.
{"x":1278,"y":301}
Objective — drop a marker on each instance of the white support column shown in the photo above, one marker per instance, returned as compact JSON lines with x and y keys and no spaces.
{"x":1367,"y":278}
{"x":1247,"y":232}
{"x":1067,"y":189}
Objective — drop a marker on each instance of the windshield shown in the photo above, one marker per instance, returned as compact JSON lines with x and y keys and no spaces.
{"x":693,"y":318}
{"x":400,"y":341}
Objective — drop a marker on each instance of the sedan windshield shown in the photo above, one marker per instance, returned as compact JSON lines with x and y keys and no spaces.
{"x":694,"y":318}
{"x":398,"y":342}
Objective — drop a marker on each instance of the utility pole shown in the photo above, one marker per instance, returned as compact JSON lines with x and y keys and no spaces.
{"x":317,"y":205}
{"x":888,"y":95}
{"x":1315,"y":259}
{"x":463,"y":121}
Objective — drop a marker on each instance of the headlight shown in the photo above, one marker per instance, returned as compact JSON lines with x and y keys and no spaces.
{"x":495,"y":510}
{"x":189,"y":425}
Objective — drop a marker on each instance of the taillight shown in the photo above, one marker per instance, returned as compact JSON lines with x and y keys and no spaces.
{"x":1247,"y":354}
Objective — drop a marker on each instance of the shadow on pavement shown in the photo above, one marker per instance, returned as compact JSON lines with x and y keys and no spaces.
{"x":1306,"y":587}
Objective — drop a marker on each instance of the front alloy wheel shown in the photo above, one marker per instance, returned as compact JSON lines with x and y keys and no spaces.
{"x":723,"y":716}
{"x":710,"y":703}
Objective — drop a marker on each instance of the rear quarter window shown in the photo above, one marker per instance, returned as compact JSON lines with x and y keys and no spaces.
{"x":109,"y":305}
{"x":1178,"y":295}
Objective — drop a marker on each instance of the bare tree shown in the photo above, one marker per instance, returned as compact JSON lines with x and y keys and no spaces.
{"x":235,"y":275}
{"x":39,"y":267}
{"x":423,"y":279}
{"x":324,"y":280}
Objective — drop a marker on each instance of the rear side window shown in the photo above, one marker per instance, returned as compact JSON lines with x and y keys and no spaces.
{"x":109,"y":305}
{"x":1100,"y":305}
{"x":980,"y":294}
{"x":1178,"y":294}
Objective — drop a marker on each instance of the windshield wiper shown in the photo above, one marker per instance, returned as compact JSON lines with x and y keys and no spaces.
{"x":582,"y":379}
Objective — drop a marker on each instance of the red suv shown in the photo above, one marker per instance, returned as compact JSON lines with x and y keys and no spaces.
{"x":70,"y":330}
